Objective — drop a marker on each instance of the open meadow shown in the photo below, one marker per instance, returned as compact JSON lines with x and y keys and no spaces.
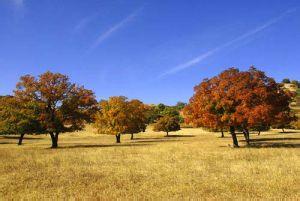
{"x":190,"y":164}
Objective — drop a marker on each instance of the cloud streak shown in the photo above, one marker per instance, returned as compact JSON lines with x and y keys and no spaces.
{"x":18,"y":3}
{"x":213,"y":51}
{"x":83,"y":23}
{"x":103,"y":36}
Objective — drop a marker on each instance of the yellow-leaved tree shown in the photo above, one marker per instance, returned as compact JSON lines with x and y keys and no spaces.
{"x":119,"y":116}
{"x":137,"y":116}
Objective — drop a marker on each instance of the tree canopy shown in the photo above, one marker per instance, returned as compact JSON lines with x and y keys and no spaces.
{"x":17,"y":117}
{"x":238,"y":99}
{"x":155,"y":112}
{"x":167,"y":124}
{"x":63,"y":106}
{"x":138,"y":117}
{"x":119,"y":116}
{"x":286,"y":80}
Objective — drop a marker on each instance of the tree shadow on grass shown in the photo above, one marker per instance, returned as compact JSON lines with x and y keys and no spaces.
{"x":100,"y":146}
{"x":273,"y":139}
{"x":282,"y":134}
{"x":17,"y":137}
{"x":180,"y":136}
{"x":273,"y":145}
{"x":225,"y":137}
{"x":150,"y":138}
{"x":158,"y":140}
{"x":266,"y":145}
{"x":289,"y":132}
{"x":273,"y":142}
{"x":7,"y":143}
{"x":283,"y":142}
{"x":164,"y":138}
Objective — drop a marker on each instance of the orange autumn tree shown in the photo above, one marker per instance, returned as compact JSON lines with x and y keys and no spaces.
{"x":138,"y":117}
{"x":119,"y":116}
{"x":237,"y":100}
{"x":63,"y":106}
{"x":201,"y":112}
{"x":284,"y":115}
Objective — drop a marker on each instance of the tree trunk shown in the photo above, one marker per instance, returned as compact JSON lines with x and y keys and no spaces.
{"x":222,"y":133}
{"x":54,"y":139}
{"x":21,"y":139}
{"x":118,"y":138}
{"x":167,"y":133}
{"x":283,"y":130}
{"x":234,"y":138}
{"x":258,"y":132}
{"x":131,"y":136}
{"x":246,"y":135}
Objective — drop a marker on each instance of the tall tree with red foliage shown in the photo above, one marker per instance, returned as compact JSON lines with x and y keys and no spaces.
{"x":238,"y":99}
{"x":63,"y":106}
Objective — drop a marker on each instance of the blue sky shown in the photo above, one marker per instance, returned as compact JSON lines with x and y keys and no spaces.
{"x":155,"y":50}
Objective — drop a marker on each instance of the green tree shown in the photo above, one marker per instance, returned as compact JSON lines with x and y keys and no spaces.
{"x":17,"y":117}
{"x":167,"y":124}
{"x":180,"y":105}
{"x":296,"y":83}
{"x":286,"y":81}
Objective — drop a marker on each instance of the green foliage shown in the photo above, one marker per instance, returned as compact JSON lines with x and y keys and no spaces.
{"x":260,"y":127}
{"x":160,"y":110}
{"x":167,"y":124}
{"x":17,"y":117}
{"x":296,"y":83}
{"x":298,"y":92}
{"x":286,"y":81}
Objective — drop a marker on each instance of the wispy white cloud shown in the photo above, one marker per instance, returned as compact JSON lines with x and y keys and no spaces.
{"x":103,"y":36}
{"x":213,"y":51}
{"x":18,"y":3}
{"x":84,"y":22}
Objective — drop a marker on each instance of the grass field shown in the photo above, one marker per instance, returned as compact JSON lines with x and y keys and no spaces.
{"x":191,"y":164}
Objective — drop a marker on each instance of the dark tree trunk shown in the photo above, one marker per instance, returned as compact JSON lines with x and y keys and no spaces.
{"x":246,"y":135}
{"x":222,"y":133}
{"x":131,"y":136}
{"x":54,"y":139}
{"x":21,"y":139}
{"x":234,"y":138}
{"x":258,"y":132}
{"x":167,"y":133}
{"x":118,"y":138}
{"x":283,"y":130}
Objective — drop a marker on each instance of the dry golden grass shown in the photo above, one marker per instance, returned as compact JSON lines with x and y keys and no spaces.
{"x":193,"y":164}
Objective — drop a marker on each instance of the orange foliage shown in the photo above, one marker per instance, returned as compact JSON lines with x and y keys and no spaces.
{"x":63,"y":106}
{"x":119,"y":116}
{"x":238,"y":99}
